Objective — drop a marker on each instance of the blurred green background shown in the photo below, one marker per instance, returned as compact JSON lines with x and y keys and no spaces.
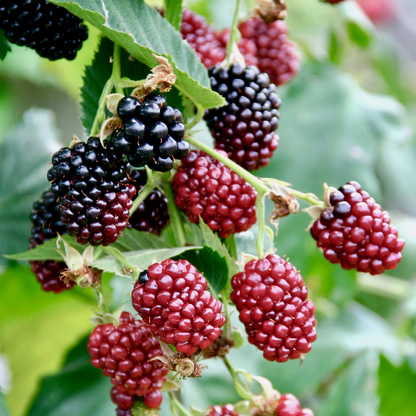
{"x":349,"y":115}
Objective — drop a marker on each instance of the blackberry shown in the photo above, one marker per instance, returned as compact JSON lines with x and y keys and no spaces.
{"x":96,"y":197}
{"x":201,"y":37}
{"x":205,"y":188}
{"x":50,"y":30}
{"x":276,"y":54}
{"x":272,"y":300}
{"x":46,"y":224}
{"x":226,"y":410}
{"x":152,"y":133}
{"x":123,"y":401}
{"x":355,"y":232}
{"x":172,"y":297}
{"x":289,"y":405}
{"x":245,"y":128}
{"x":126,"y":354}
{"x":121,"y":412}
{"x":246,"y":46}
{"x":152,"y":214}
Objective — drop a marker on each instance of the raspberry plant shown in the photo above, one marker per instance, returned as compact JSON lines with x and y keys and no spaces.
{"x":159,"y":218}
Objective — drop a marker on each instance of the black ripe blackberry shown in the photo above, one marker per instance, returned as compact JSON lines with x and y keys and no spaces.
{"x":46,"y":224}
{"x":152,"y":133}
{"x":50,"y":30}
{"x":245,"y":128}
{"x":96,"y":197}
{"x":152,"y":214}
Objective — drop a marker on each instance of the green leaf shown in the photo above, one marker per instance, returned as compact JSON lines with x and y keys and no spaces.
{"x":173,"y":13}
{"x":133,"y":240}
{"x":141,"y":259}
{"x":336,"y":47}
{"x":355,"y":391}
{"x":142,"y":31}
{"x":359,"y":26}
{"x":3,"y":408}
{"x":212,"y":264}
{"x":203,"y":235}
{"x":4,"y":45}
{"x":97,"y":74}
{"x":78,"y":389}
{"x":396,"y":388}
{"x":24,"y":157}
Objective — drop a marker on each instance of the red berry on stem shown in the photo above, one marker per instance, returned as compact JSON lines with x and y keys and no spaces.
{"x":272,"y":300}
{"x":205,"y":188}
{"x":125,"y":354}
{"x":226,"y":410}
{"x":276,"y":54}
{"x":153,"y":400}
{"x":172,"y":297}
{"x":289,"y":405}
{"x":355,"y":232}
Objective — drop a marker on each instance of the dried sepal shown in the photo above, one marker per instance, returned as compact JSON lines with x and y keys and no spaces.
{"x":74,"y":141}
{"x":162,"y":78}
{"x":112,"y":102}
{"x":109,"y":126}
{"x":315,"y":212}
{"x":328,"y":190}
{"x":271,"y":10}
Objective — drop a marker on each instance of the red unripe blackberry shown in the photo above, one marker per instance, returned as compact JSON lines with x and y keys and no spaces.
{"x":153,"y":400}
{"x":46,"y":224}
{"x":378,"y":11}
{"x":246,"y":46}
{"x":245,"y":127}
{"x":152,"y":214}
{"x":272,"y":300}
{"x":224,"y":200}
{"x":50,"y":30}
{"x":172,"y":297}
{"x":276,"y":54}
{"x":125,"y":354}
{"x":93,"y":182}
{"x":124,"y":401}
{"x":226,"y":410}
{"x":201,"y":37}
{"x":152,"y":133}
{"x":289,"y":405}
{"x":355,"y":232}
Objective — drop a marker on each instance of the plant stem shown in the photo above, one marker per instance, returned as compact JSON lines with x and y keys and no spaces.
{"x":100,"y":116}
{"x":308,"y":197}
{"x":177,"y":223}
{"x":227,"y":328}
{"x":233,"y":33}
{"x":257,"y":183}
{"x":260,"y":219}
{"x":232,"y":247}
{"x":116,"y":73}
{"x":152,"y":180}
{"x":175,"y":404}
{"x":101,"y":301}
{"x":230,"y":368}
{"x":118,"y":255}
{"x":198,"y":116}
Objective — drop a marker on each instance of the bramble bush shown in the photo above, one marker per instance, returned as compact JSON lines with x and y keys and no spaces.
{"x":225,"y":234}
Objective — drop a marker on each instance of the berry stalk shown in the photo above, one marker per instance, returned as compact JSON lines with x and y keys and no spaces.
{"x":176,"y":406}
{"x":232,"y":47}
{"x":116,"y":73}
{"x":152,"y":180}
{"x":100,"y":116}
{"x":177,"y":222}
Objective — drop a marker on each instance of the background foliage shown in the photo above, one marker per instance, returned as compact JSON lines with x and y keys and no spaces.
{"x":348,"y":115}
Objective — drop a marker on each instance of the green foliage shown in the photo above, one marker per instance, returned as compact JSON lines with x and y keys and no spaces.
{"x":173,"y":13}
{"x":3,"y":408}
{"x":147,"y":33}
{"x":24,"y":156}
{"x":4,"y":45}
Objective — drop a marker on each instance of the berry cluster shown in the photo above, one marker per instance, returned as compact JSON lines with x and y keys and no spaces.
{"x":355,"y":232}
{"x":201,"y":37}
{"x":226,"y":410}
{"x":289,"y":405}
{"x":152,"y":133}
{"x":206,"y":188}
{"x":125,"y":353}
{"x":172,"y":297}
{"x":245,"y":128}
{"x":152,"y":214}
{"x":272,"y":300}
{"x":276,"y":54}
{"x":92,"y":181}
{"x":50,"y":30}
{"x":46,"y":224}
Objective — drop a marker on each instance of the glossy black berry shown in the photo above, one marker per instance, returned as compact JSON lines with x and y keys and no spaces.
{"x":50,"y":30}
{"x":144,"y":277}
{"x":128,"y":107}
{"x":245,"y":128}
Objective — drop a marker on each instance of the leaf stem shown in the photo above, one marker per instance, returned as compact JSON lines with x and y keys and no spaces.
{"x":198,"y":116}
{"x":116,"y":73}
{"x":101,"y":300}
{"x":230,"y":368}
{"x":177,"y":223}
{"x":308,"y":197}
{"x":152,"y":180}
{"x":254,"y":181}
{"x":176,"y":405}
{"x":119,"y":256}
{"x":260,"y":219}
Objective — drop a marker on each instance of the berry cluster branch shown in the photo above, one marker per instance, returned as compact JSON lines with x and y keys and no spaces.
{"x":233,"y":53}
{"x":152,"y":180}
{"x":176,"y":407}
